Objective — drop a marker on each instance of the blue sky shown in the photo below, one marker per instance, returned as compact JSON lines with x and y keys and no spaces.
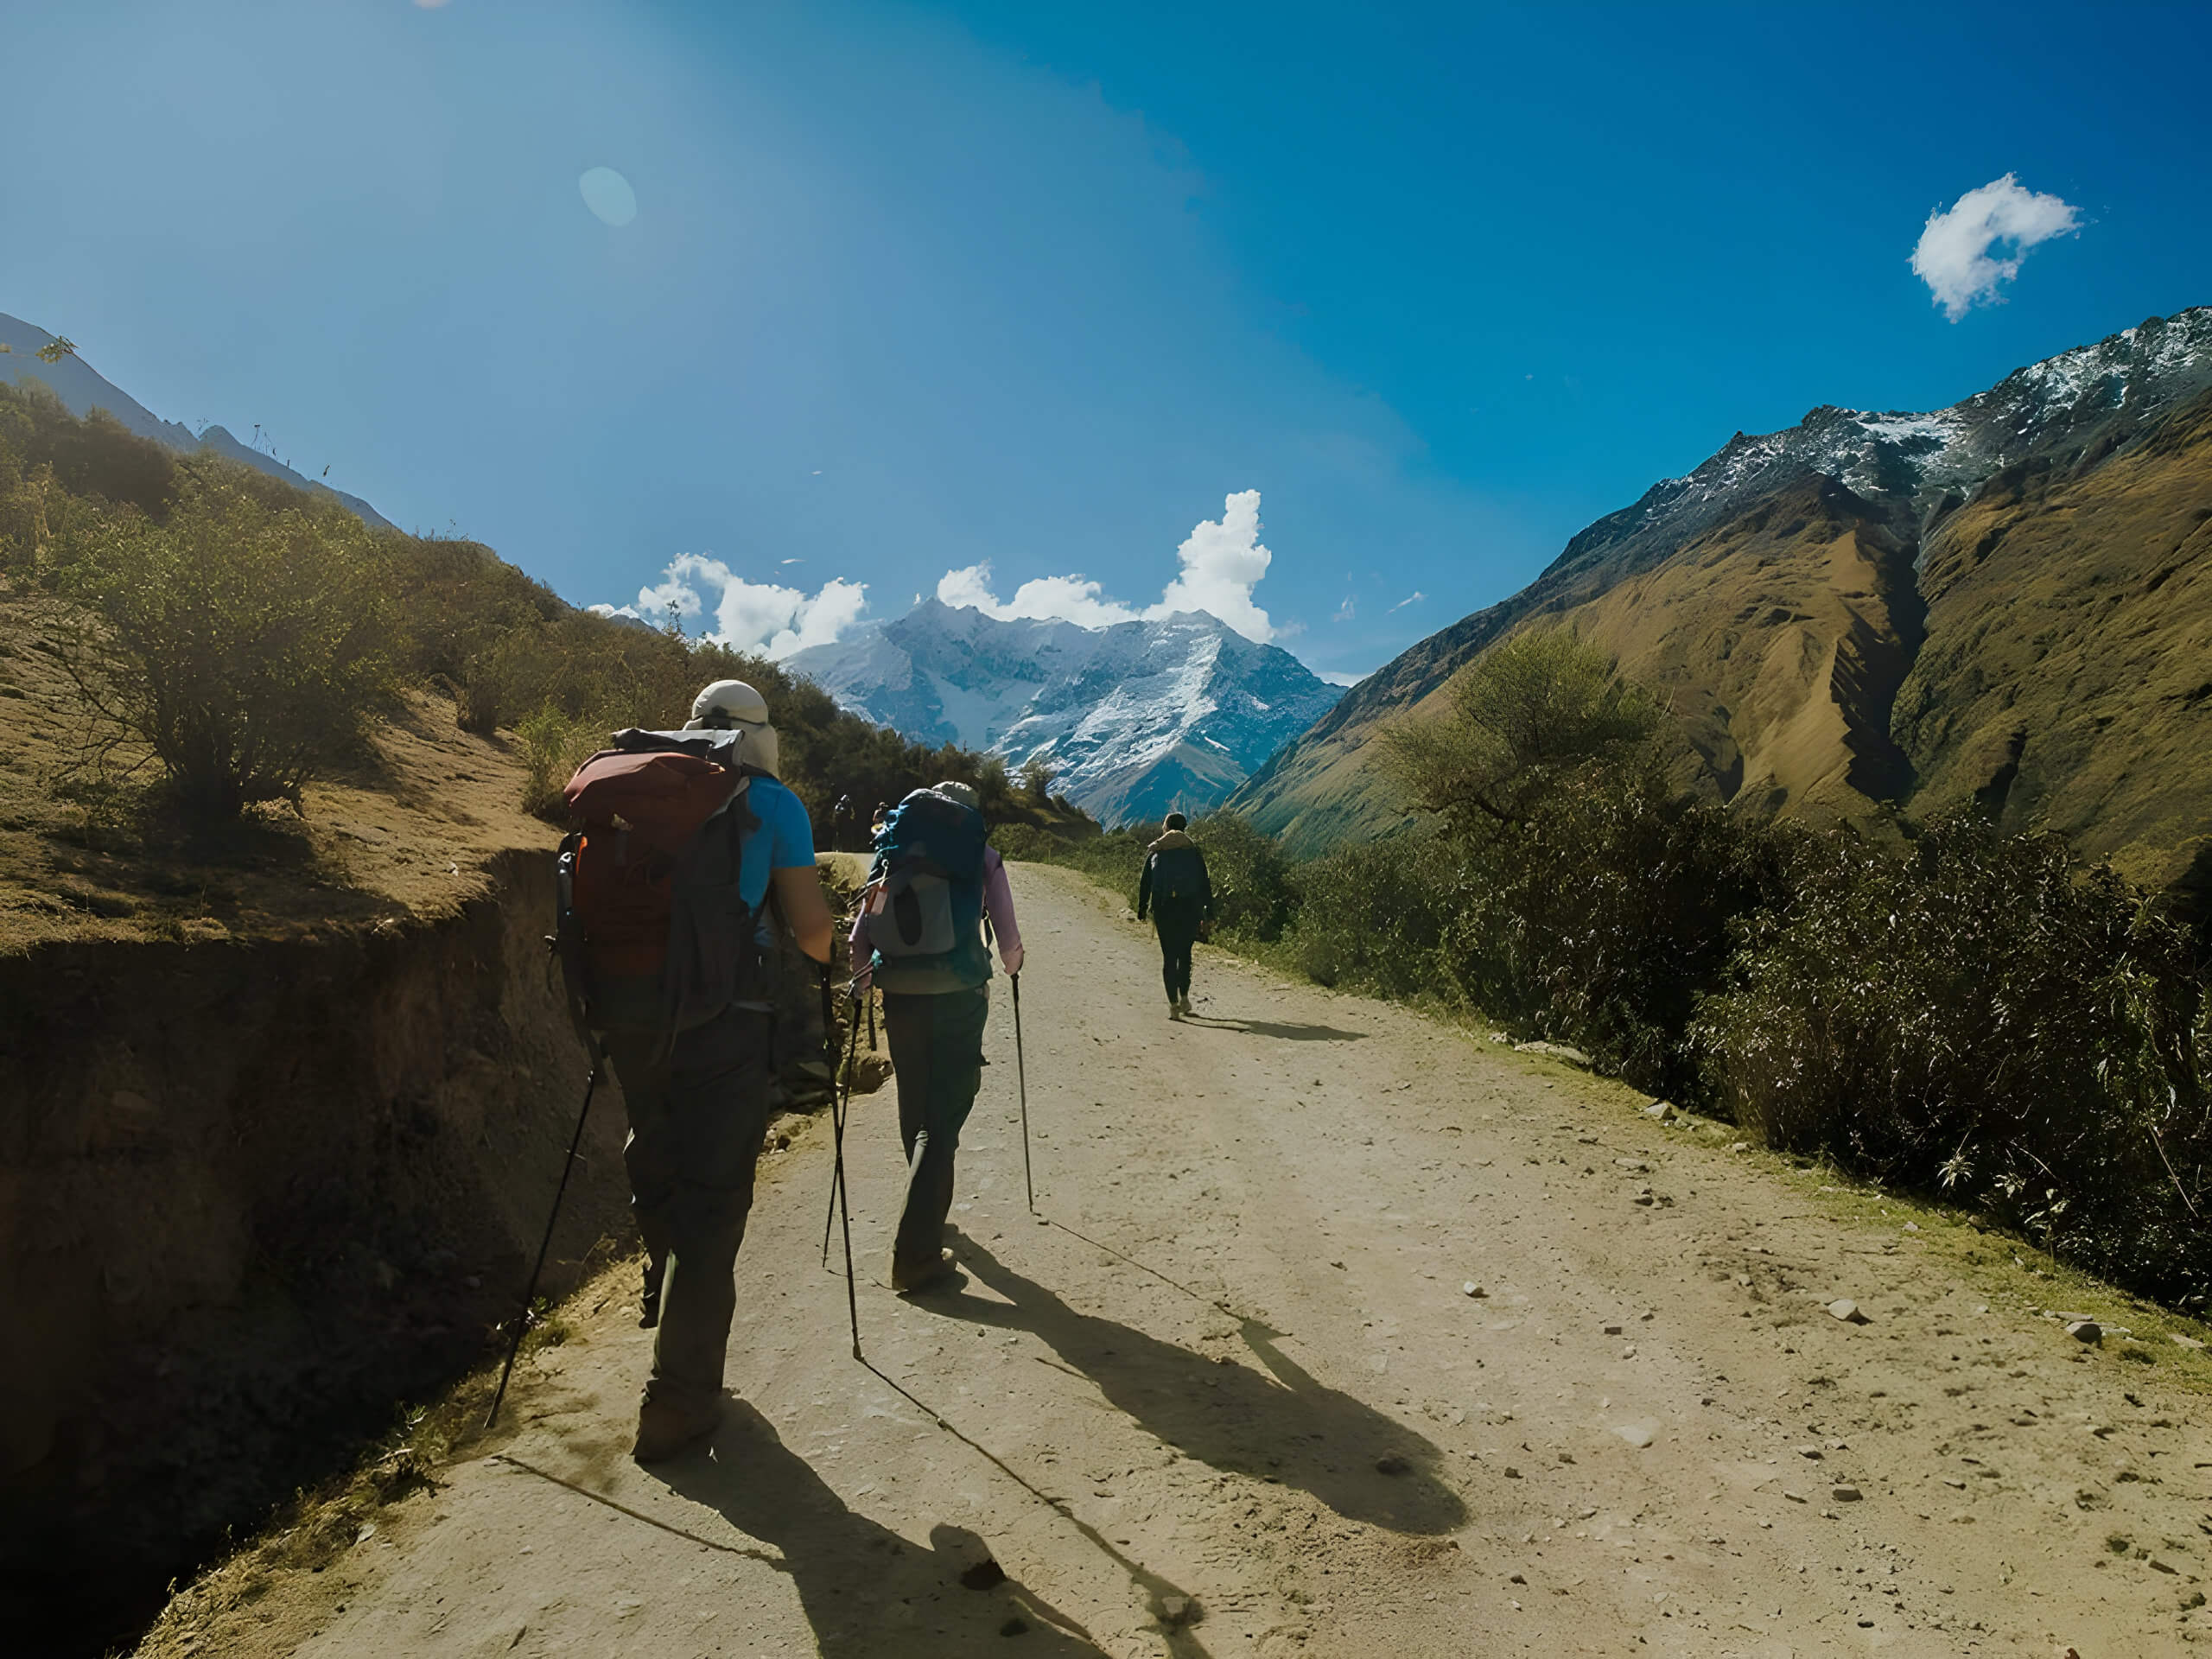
{"x":910,"y":290}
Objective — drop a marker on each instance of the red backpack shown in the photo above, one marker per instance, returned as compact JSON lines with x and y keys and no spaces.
{"x":643,"y":892}
{"x":641,"y":813}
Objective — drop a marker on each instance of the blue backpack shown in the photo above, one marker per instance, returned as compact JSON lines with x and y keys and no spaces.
{"x":926,"y":909}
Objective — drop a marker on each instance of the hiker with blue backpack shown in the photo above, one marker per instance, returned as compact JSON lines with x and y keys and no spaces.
{"x":667,"y":945}
{"x":1177,"y":890}
{"x":933,"y":886}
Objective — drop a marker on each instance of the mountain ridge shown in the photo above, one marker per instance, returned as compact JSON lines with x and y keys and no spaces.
{"x":82,"y":389}
{"x":1899,"y":485}
{"x":1138,"y":718}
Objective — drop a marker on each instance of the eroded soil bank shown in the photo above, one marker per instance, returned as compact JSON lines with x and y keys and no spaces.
{"x":253,"y":1196}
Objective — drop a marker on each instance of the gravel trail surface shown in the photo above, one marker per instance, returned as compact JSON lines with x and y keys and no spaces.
{"x":1339,"y":1334}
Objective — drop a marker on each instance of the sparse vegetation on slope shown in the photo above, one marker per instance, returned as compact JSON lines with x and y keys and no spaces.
{"x":2006,"y":604}
{"x":240,"y":635}
{"x":1946,"y":1008}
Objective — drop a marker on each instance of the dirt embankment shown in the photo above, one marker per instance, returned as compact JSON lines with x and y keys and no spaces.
{"x":279,"y":1118}
{"x":254,"y":1194}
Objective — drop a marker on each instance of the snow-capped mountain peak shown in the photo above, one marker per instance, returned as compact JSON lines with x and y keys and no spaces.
{"x":1136,"y":720}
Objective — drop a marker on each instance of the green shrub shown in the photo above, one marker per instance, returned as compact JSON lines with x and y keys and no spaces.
{"x":1593,"y":897}
{"x":246,"y":647}
{"x":1252,"y":895}
{"x":1374,"y":917}
{"x":1600,"y":919}
{"x":1531,"y":713}
{"x":97,"y":456}
{"x":1983,"y":1018}
{"x":553,"y":746}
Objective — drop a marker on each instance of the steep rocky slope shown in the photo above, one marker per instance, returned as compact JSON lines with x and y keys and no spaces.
{"x":1872,"y":608}
{"x":1136,"y":720}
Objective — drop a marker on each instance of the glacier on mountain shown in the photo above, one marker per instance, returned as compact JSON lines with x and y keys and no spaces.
{"x":1136,"y":720}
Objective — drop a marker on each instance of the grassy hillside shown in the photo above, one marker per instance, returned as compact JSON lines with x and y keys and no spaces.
{"x":2037,"y":644}
{"x":2067,"y":676}
{"x":225,"y":702}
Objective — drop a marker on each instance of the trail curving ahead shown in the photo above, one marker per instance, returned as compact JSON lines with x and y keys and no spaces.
{"x":1229,"y":1397}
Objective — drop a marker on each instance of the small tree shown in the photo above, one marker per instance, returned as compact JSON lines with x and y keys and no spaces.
{"x":244,"y":645}
{"x":1036,"y":775}
{"x":1524,"y":717}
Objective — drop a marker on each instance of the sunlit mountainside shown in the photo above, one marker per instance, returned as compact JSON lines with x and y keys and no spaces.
{"x":1137,"y":719}
{"x":2007,"y":600}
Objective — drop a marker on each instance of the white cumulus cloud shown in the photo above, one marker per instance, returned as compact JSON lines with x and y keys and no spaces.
{"x":1969,"y":250}
{"x":1219,"y":564}
{"x":755,"y":616}
{"x":1071,"y":599}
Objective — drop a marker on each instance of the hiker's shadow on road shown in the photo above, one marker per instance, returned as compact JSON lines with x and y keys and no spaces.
{"x":1282,"y":1423}
{"x":866,"y":1591}
{"x":1271,"y":1028}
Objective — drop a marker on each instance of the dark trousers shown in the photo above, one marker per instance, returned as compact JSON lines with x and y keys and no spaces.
{"x":937,"y":1057}
{"x":1177,"y":925}
{"x":697,"y":1115}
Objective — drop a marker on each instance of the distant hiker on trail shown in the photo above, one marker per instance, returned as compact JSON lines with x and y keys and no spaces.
{"x":933,"y":883}
{"x":1175,"y":888}
{"x":667,"y":943}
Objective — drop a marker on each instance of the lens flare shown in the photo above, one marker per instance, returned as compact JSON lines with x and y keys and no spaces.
{"x":608,"y":194}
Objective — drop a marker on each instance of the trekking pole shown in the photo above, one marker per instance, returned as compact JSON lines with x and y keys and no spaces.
{"x":530,"y":1295}
{"x":845,"y":1203}
{"x":1021,"y":1079}
{"x":838,"y":1105}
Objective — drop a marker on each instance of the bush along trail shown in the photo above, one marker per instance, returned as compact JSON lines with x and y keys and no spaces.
{"x":1339,"y":1333}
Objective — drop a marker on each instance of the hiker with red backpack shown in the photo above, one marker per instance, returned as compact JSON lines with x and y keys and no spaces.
{"x":932,"y":887}
{"x":666,"y":942}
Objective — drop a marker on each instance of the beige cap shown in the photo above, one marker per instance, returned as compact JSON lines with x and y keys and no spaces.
{"x":728,"y":702}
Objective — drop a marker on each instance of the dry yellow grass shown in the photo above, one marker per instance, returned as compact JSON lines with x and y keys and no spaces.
{"x":407,"y":834}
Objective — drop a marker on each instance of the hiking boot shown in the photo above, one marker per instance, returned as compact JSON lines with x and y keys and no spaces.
{"x":669,"y":1425}
{"x":1184,"y":1003}
{"x":907,"y":1278}
{"x":1174,"y":1008}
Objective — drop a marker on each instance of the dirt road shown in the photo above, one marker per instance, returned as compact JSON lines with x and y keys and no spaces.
{"x":1231,"y":1395}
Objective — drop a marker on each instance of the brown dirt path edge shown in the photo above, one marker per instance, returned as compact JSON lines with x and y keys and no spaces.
{"x":1229,"y":1397}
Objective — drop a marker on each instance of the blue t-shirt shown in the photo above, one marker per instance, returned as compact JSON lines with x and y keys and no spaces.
{"x":785,"y":840}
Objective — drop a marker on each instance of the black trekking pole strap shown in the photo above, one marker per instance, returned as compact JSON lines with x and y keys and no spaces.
{"x":530,"y":1291}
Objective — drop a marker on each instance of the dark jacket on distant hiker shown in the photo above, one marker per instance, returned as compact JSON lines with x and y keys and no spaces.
{"x":1176,"y":889}
{"x":934,"y":1010}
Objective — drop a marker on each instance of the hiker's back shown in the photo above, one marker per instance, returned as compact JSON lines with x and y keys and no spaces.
{"x":655,"y":878}
{"x":924,"y":910}
{"x":1178,"y":873}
